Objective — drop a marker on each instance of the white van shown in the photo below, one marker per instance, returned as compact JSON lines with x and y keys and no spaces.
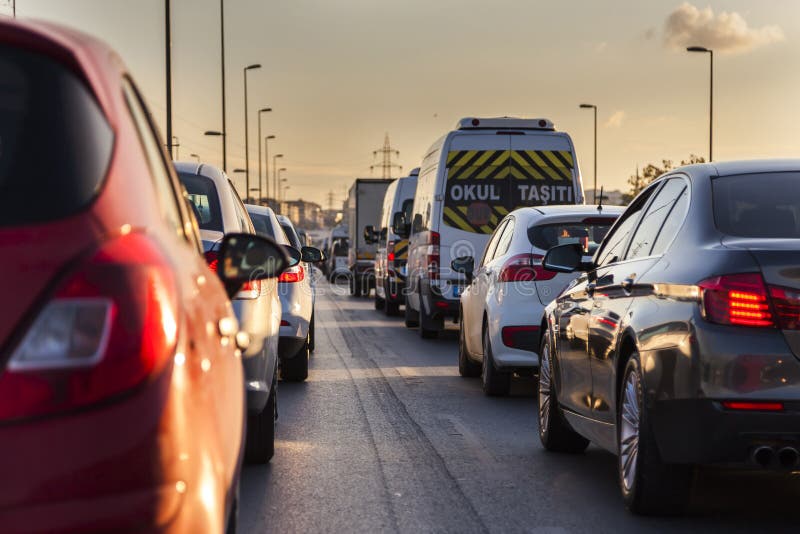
{"x":392,"y":236}
{"x":469,"y":180}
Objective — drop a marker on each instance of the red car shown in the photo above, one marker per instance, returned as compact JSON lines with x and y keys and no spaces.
{"x":122,"y":404}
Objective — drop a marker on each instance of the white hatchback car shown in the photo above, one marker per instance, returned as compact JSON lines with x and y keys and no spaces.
{"x":502,"y":308}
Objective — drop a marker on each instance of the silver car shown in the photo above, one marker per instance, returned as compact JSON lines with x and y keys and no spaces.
{"x":219,"y":211}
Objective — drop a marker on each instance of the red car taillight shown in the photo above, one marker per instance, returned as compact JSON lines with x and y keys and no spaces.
{"x":432,"y":256}
{"x":212,"y":259}
{"x":109,"y":327}
{"x":390,"y":255}
{"x":737,"y":299}
{"x":524,"y":268}
{"x":293,"y":274}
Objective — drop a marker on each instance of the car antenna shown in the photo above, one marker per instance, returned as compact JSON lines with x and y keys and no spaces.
{"x":600,"y":201}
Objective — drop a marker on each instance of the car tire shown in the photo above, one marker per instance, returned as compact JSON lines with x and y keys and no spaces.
{"x":466,"y":367}
{"x":355,"y":286}
{"x":554,"y":432}
{"x":648,"y":485}
{"x":412,"y":317}
{"x":295,"y":369}
{"x":495,"y":382}
{"x":391,"y":309}
{"x":260,"y":444}
{"x":380,"y":303}
{"x":311,"y":334}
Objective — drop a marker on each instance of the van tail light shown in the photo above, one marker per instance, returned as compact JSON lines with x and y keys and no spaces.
{"x":390,"y":256}
{"x":108,"y":328}
{"x":737,"y":299}
{"x":524,"y":268}
{"x":432,"y":256}
{"x":521,"y":337}
{"x":293,"y":274}
{"x":212,"y":259}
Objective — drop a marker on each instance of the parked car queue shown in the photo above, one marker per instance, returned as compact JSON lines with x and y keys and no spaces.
{"x":665,"y":332}
{"x":140,"y":336}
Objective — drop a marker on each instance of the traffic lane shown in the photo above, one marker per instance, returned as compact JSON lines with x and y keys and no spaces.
{"x":497,"y":438}
{"x":483,"y":456}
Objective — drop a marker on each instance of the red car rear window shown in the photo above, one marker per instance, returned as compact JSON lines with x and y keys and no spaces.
{"x":55,"y":143}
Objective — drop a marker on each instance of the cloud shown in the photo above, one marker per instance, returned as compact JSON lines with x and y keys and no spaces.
{"x":615,"y":120}
{"x":725,"y":32}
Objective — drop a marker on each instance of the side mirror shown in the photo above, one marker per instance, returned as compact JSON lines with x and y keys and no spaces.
{"x":369,"y":234}
{"x":400,"y":225}
{"x":294,"y":255}
{"x":248,"y":257}
{"x":312,"y":255}
{"x":464,"y":265}
{"x":565,"y":259}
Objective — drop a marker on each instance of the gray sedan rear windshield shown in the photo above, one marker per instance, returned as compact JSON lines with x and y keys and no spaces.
{"x":55,"y":142}
{"x":758,"y":205}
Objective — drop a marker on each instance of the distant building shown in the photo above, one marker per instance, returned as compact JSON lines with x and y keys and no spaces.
{"x":610,"y":198}
{"x":304,"y":214}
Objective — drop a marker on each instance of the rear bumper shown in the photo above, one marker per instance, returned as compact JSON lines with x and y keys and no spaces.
{"x":702,"y":432}
{"x":436,"y":303}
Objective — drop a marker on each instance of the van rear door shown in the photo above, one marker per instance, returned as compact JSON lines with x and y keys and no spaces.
{"x":543,"y":171}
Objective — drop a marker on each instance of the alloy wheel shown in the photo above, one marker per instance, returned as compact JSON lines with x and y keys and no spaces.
{"x":544,"y":388}
{"x":629,"y":430}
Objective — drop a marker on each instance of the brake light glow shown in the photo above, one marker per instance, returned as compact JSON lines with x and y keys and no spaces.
{"x":753,"y":406}
{"x":524,"y":268}
{"x":737,"y":299}
{"x":250,"y":290}
{"x":432,"y":256}
{"x":110,"y":327}
{"x":293,"y":274}
{"x":212,"y":259}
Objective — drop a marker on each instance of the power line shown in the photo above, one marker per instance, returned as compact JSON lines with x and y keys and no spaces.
{"x":386,"y":153}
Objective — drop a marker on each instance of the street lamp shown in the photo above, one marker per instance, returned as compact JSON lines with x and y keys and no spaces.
{"x":266,"y":159}
{"x":246,"y":144}
{"x":215,"y":133}
{"x":222,"y":63}
{"x":281,"y":181}
{"x":168,"y":65}
{"x":196,"y":156}
{"x":275,"y":189}
{"x":710,"y":96}
{"x":592,"y":106}
{"x":260,"y":177}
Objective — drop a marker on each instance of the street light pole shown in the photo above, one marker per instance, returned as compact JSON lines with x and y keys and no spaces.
{"x":710,"y":97}
{"x":260,"y":176}
{"x":168,"y":25}
{"x":176,"y":145}
{"x":275,"y":189}
{"x":246,"y":143}
{"x":593,"y":107}
{"x":266,"y":161}
{"x":222,"y":62}
{"x":215,"y":133}
{"x":281,"y":181}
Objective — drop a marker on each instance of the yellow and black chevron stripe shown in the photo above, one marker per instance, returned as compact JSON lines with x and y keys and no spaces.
{"x":491,"y":166}
{"x":401,"y":250}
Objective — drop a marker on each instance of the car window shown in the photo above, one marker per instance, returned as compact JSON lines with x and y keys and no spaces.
{"x":202,"y":193}
{"x":505,"y":239}
{"x":165,"y":191}
{"x":55,"y":143}
{"x":758,"y":205}
{"x":291,"y":235}
{"x":589,"y":233}
{"x":614,"y":244}
{"x":262,"y":224}
{"x":673,"y":223}
{"x":645,"y":236}
{"x":488,"y":252}
{"x":241,"y":213}
{"x":340,"y":246}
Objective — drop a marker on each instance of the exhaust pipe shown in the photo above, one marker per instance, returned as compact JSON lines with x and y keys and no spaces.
{"x":788,"y":457}
{"x":763,"y":455}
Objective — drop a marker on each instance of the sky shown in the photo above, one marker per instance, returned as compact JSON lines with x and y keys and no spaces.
{"x":340,"y":74}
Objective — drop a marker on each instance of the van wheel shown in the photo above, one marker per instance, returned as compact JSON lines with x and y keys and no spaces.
{"x":649,"y":486}
{"x":391,"y":309}
{"x":412,"y":317}
{"x":554,"y":432}
{"x":466,"y":367}
{"x":424,"y":331}
{"x":495,"y":382}
{"x":380,"y":303}
{"x":260,"y":445}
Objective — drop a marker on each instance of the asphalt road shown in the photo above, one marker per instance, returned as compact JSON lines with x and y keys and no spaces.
{"x":386,"y":437}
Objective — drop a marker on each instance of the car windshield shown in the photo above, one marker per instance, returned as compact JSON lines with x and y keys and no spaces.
{"x":589,"y":234}
{"x":203,"y":194}
{"x":262,"y":224}
{"x":340,"y":246}
{"x":55,"y":143}
{"x":758,"y":205}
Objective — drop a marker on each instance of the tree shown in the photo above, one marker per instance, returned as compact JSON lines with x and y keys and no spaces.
{"x":651,"y":171}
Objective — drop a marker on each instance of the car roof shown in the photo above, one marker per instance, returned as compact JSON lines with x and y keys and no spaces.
{"x":580,"y":210}
{"x":261,"y":210}
{"x":201,"y":169}
{"x":727,"y":168}
{"x":283,"y":219}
